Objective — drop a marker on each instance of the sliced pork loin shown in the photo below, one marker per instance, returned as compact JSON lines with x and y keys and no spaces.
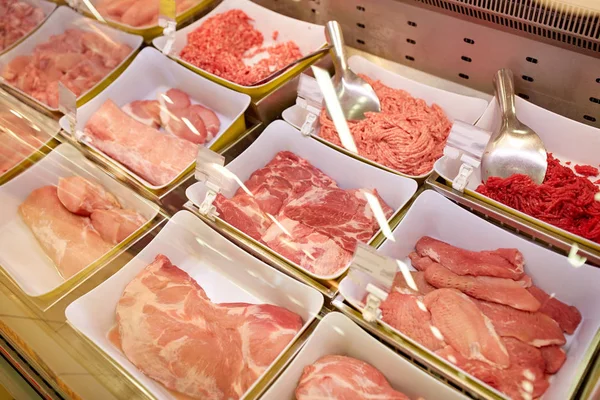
{"x":145,"y":111}
{"x":82,"y":196}
{"x":568,"y":317}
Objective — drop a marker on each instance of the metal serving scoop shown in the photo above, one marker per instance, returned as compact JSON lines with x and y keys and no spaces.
{"x":354,"y":94}
{"x":515,"y":148}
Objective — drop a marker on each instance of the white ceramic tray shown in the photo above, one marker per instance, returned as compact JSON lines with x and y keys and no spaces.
{"x":160,"y":74}
{"x":47,"y":7}
{"x":347,"y":172}
{"x":226,"y":273}
{"x":62,"y":19}
{"x":308,"y":37}
{"x":566,"y":139}
{"x":456,"y":106}
{"x":20,"y":254}
{"x":433,"y":215}
{"x":336,"y":334}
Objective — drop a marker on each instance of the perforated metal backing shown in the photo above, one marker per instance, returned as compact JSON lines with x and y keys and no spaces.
{"x":431,"y":39}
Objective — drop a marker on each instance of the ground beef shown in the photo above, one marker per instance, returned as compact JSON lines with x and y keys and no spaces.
{"x":564,"y":199}
{"x":407,"y":135}
{"x":223,"y":42}
{"x":586,"y":170}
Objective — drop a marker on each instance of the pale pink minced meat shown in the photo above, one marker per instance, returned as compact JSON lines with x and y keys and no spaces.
{"x":17,"y":19}
{"x":407,"y":135}
{"x":222,"y":43}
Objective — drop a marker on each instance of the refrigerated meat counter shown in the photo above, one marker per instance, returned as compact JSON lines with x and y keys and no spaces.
{"x":255,"y":232}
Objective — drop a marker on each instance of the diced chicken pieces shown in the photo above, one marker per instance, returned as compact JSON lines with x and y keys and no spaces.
{"x":554,"y":358}
{"x":116,"y":225}
{"x":497,"y":290}
{"x":568,"y":317}
{"x":81,"y":196}
{"x":17,"y":19}
{"x":68,"y":239}
{"x":465,"y":327}
{"x":501,"y":263}
{"x":536,"y":329}
{"x":145,"y":111}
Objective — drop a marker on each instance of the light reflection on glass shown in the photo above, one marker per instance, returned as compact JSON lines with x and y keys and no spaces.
{"x":407,"y":275}
{"x":379,"y":214}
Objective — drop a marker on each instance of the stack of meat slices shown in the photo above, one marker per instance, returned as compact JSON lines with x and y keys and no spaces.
{"x":299,"y":212}
{"x":130,"y":135}
{"x":480,"y":311}
{"x":77,"y":222}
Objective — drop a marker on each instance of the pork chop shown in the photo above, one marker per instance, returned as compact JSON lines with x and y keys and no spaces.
{"x":244,"y":213}
{"x":68,"y":239}
{"x":534,"y":328}
{"x":465,"y":328}
{"x":82,"y":196}
{"x":172,"y":332}
{"x":568,"y":317}
{"x":334,"y":377}
{"x":501,"y":263}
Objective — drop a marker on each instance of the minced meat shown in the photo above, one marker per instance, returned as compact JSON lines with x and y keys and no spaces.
{"x":564,"y":199}
{"x":407,"y":135}
{"x":223,"y":42}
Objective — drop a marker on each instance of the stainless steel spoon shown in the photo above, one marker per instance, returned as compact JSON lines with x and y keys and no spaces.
{"x":354,"y":94}
{"x":515,"y":148}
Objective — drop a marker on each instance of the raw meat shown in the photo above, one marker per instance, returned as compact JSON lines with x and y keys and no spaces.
{"x":554,"y":357}
{"x":286,"y":175}
{"x":422,"y":286}
{"x":116,"y":225}
{"x":77,"y":58}
{"x":156,"y":157}
{"x":335,"y":377}
{"x":228,"y":45}
{"x":564,"y":199}
{"x":244,"y":213}
{"x":172,"y":332}
{"x":343,"y":215}
{"x":68,"y":239}
{"x":18,"y":139}
{"x":536,"y":329}
{"x":568,"y":317}
{"x":306,"y":247}
{"x":497,"y":290}
{"x":138,"y":13}
{"x":465,"y":328}
{"x":145,"y":111}
{"x":524,"y":379}
{"x":406,"y":136}
{"x":17,"y":19}
{"x":82,"y":197}
{"x":407,"y":313}
{"x":586,"y":170}
{"x":501,"y":263}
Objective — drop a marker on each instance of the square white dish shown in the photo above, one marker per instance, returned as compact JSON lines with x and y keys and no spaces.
{"x":456,"y":106}
{"x":47,"y":7}
{"x":18,"y":246}
{"x":62,"y":19}
{"x":433,"y":215}
{"x":160,"y":74}
{"x":225,"y":272}
{"x":336,"y":334}
{"x":566,"y":139}
{"x":349,"y":173}
{"x":309,"y":37}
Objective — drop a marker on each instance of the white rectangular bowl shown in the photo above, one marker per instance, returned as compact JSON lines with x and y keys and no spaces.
{"x":566,"y":139}
{"x":20,"y":254}
{"x":349,"y":173}
{"x":160,"y":74}
{"x":225,"y":272}
{"x":433,"y":215}
{"x":309,"y":37}
{"x":336,"y":334}
{"x":47,"y":7}
{"x":456,"y":106}
{"x":62,"y":19}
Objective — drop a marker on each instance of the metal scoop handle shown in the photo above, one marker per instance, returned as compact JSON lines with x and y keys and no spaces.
{"x":505,"y":92}
{"x":334,"y":36}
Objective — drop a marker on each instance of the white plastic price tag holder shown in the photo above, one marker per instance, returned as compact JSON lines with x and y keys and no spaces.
{"x":75,"y":4}
{"x":309,"y":98}
{"x":210,"y":169}
{"x":379,"y":267}
{"x":167,"y":20}
{"x":67,"y":104}
{"x":466,"y":143}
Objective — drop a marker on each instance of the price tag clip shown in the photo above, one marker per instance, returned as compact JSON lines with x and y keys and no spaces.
{"x":167,"y":20}
{"x":210,"y":169}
